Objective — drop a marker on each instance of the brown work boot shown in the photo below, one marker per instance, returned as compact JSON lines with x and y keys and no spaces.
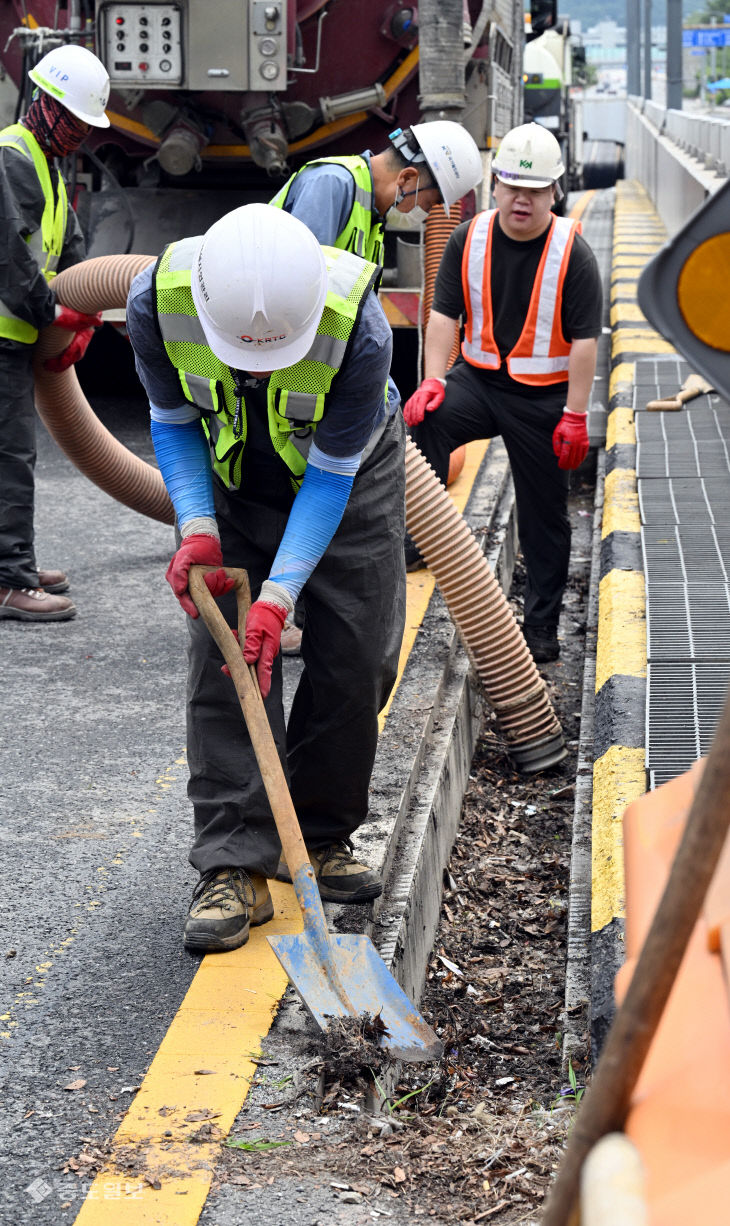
{"x":339,"y":875}
{"x":226,"y":901}
{"x":53,"y":581}
{"x":33,"y":604}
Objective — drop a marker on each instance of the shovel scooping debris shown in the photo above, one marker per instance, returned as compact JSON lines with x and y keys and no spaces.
{"x":337,"y":976}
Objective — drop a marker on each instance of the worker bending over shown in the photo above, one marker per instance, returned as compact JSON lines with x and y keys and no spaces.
{"x":529,"y":289}
{"x":265,"y":358}
{"x":40,"y":237}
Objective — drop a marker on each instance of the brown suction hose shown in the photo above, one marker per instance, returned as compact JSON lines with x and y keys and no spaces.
{"x":92,"y":286}
{"x":483,"y":618}
{"x":438,"y":229}
{"x":476,"y":602}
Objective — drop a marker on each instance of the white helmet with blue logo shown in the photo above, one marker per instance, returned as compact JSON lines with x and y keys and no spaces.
{"x":450,"y":153}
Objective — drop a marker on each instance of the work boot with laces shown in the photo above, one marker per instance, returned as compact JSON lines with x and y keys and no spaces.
{"x":339,"y":875}
{"x":542,"y":641}
{"x":35,"y":604}
{"x":226,"y":901}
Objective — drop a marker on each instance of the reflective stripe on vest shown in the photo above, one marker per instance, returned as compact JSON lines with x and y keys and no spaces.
{"x":46,"y":244}
{"x":541,"y":353}
{"x":296,"y":396}
{"x":362,"y":233}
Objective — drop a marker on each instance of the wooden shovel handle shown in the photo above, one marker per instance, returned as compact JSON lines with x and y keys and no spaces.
{"x":606,"y":1102}
{"x":254,"y":713}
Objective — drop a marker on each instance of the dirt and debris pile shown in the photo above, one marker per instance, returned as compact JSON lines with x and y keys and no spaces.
{"x":476,"y":1137}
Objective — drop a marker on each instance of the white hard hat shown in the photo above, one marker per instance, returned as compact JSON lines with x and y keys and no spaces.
{"x":77,"y":79}
{"x":451,"y":154}
{"x":259,"y":283}
{"x":528,"y":156}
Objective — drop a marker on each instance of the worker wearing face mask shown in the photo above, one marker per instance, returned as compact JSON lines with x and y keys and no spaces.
{"x":347,"y":201}
{"x":39,"y":237}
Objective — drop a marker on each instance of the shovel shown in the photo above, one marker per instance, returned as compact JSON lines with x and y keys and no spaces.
{"x":694,"y":385}
{"x":336,"y":976}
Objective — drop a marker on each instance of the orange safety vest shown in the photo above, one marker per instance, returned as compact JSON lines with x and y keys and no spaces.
{"x":541,"y":353}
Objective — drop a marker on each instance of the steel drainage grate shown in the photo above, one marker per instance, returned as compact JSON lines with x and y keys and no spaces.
{"x":684,"y":704}
{"x":703,"y":458}
{"x":657,"y":379}
{"x":698,"y":422}
{"x":664,"y":500}
{"x":688,"y":621}
{"x":686,"y":553}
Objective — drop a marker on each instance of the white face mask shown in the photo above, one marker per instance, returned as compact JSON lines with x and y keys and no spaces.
{"x":412,"y":220}
{"x":406,"y":221}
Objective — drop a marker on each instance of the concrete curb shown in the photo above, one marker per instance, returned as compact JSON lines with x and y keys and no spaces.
{"x":619,"y":736}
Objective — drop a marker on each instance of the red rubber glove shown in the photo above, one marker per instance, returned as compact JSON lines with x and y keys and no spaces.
{"x":264,"y":625}
{"x":83,"y":326}
{"x":75,"y":321}
{"x":424,"y":400}
{"x":570,"y":439}
{"x":202,"y":549}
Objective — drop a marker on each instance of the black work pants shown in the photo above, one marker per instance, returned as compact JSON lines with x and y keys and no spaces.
{"x":472,"y":409}
{"x":355,"y":613}
{"x":17,"y":466}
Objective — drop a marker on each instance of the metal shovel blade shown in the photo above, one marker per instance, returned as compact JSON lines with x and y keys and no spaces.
{"x":370,"y":988}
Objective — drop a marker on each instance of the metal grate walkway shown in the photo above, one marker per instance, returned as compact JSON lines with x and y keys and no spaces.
{"x":683,"y":479}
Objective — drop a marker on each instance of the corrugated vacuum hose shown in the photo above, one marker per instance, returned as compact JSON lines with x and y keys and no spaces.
{"x":475,"y":600}
{"x":95,"y":285}
{"x":483,"y":618}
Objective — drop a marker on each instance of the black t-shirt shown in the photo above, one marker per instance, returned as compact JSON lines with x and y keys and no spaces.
{"x":514,"y":268}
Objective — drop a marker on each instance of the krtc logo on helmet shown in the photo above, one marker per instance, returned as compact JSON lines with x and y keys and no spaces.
{"x":262,"y":340}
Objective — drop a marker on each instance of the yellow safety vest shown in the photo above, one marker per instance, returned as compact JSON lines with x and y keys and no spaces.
{"x":296,"y":396}
{"x":363,"y":233}
{"x":46,"y":244}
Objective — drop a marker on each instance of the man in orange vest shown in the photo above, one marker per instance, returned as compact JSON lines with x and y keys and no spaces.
{"x":529,"y":289}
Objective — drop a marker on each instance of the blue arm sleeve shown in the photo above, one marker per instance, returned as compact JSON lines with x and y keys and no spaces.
{"x":184,"y":460}
{"x":313,"y":521}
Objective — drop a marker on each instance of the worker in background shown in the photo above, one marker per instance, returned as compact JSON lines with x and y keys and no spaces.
{"x":298,"y":477}
{"x":529,"y":289}
{"x":346,"y":201}
{"x":39,"y":237}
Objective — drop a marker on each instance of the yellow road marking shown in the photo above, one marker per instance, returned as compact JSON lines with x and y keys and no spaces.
{"x":621,"y":380}
{"x":619,"y":777}
{"x":627,"y":312}
{"x":206,"y":1062}
{"x":621,"y":644}
{"x":620,"y":427}
{"x":621,"y":503}
{"x":582,"y":204}
{"x":196,"y":1085}
{"x":637,"y":340}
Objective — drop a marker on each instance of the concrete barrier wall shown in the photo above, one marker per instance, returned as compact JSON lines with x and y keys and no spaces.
{"x":678,"y":177}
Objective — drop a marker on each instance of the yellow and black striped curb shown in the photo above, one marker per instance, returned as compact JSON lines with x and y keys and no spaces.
{"x":619,"y":773}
